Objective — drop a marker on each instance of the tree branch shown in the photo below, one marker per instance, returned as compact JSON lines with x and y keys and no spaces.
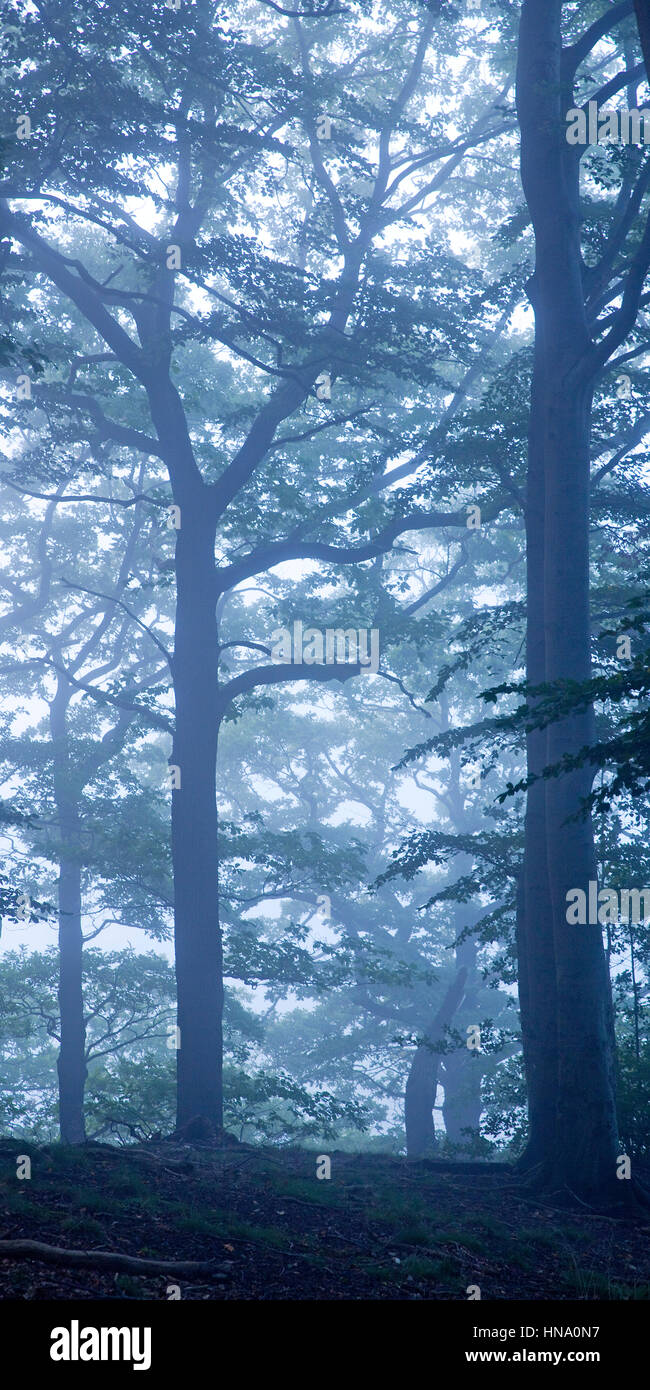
{"x":576,"y":53}
{"x":277,"y":675}
{"x":55,"y":267}
{"x":103,"y":1259}
{"x":278,"y":552}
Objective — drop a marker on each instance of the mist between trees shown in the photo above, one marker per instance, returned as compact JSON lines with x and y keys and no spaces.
{"x":324,"y":516}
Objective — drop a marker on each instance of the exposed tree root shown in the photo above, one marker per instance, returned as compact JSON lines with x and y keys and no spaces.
{"x":534,"y":1177}
{"x":621,"y":1201}
{"x":146,"y":1156}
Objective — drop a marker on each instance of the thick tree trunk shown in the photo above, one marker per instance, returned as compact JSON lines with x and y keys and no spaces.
{"x":421,"y":1085}
{"x":586,"y":1141}
{"x":71,"y":1063}
{"x":194,"y":821}
{"x":536,"y":959}
{"x":565,"y":996}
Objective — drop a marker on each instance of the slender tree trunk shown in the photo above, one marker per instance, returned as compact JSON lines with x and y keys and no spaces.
{"x":194,"y":838}
{"x":421,"y":1085}
{"x":71,"y":1063}
{"x":194,"y":821}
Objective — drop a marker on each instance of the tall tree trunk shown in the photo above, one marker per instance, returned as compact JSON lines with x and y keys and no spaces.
{"x":194,"y":820}
{"x":536,"y":958}
{"x":71,"y":1063}
{"x":642,"y":12}
{"x":586,"y":1143}
{"x":461,"y":1110}
{"x":422,"y":1082}
{"x":565,"y":994}
{"x":462,"y":1071}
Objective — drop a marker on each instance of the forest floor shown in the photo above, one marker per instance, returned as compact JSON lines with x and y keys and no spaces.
{"x":379,"y":1228}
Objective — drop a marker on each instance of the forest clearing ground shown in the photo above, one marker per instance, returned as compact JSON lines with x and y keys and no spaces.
{"x":379,"y":1228}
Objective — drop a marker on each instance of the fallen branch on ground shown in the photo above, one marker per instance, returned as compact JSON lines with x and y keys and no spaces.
{"x":104,"y":1259}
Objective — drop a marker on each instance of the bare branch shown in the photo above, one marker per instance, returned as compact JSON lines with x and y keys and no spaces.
{"x":322,"y":12}
{"x":119,"y":603}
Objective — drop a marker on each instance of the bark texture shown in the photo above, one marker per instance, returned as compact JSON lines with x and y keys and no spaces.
{"x":565,"y":997}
